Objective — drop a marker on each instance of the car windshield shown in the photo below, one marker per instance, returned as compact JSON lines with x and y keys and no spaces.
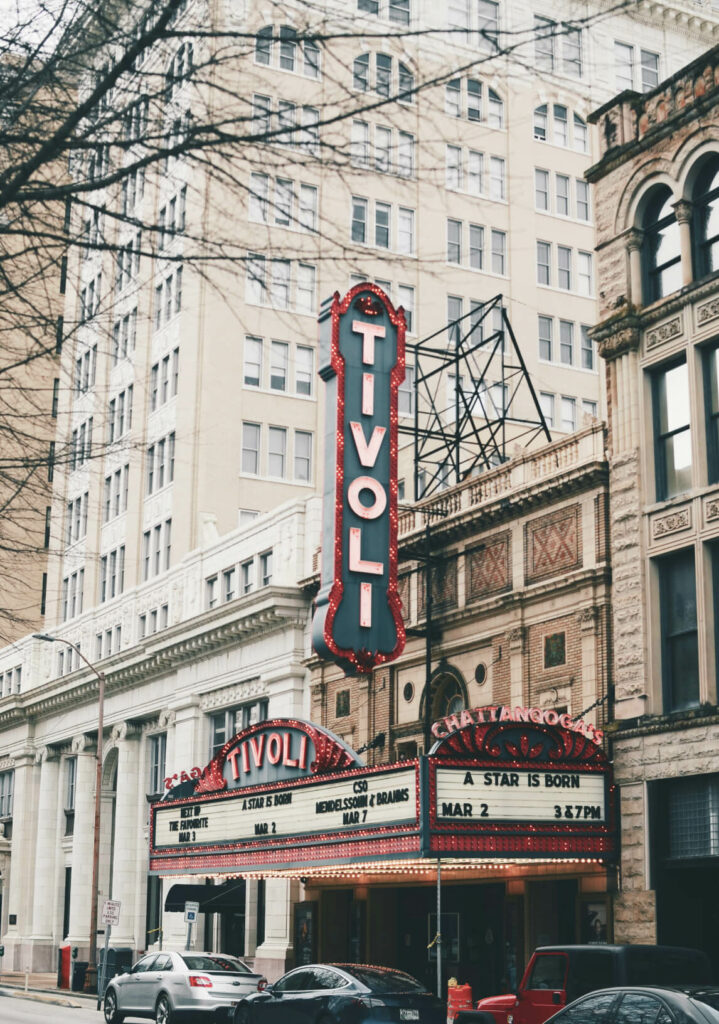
{"x":205,"y":962}
{"x":381,"y":981}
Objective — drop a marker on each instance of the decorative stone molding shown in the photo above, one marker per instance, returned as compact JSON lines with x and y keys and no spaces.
{"x":681,"y":519}
{"x":617,"y":335}
{"x":683,"y":211}
{"x":46,"y":753}
{"x":664,"y":332}
{"x":588,"y":618}
{"x":82,"y":744}
{"x":6,"y":763}
{"x":517,"y":639}
{"x":124,"y":731}
{"x":634,"y":238}
{"x":166,"y":718}
{"x":254,"y":687}
{"x":711,"y":509}
{"x":708,"y":311}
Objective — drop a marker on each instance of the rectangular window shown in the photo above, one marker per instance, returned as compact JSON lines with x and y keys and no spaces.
{"x":266,"y":568}
{"x":256,"y":282}
{"x":562,"y":194}
{"x":280,"y":284}
{"x":253,"y":362}
{"x":284,"y":195}
{"x":259,"y":191}
{"x":541,"y":189}
{"x":711,"y":404}
{"x":228,"y":584}
{"x":584,"y":273}
{"x":405,"y":155}
{"x":589,"y":408}
{"x":572,"y":52}
{"x":382,"y":213}
{"x":304,"y":370}
{"x":650,"y":70}
{"x":359,"y":220}
{"x":454,"y":241}
{"x":544,"y":38}
{"x":544,"y":263}
{"x":399,"y":11}
{"x":546,"y":404}
{"x":247,"y":574}
{"x":158,"y":746}
{"x":70,"y":783}
{"x":303,"y":456}
{"x":212,"y":592}
{"x":405,"y":231}
{"x":382,"y":149}
{"x":680,"y":650}
{"x":569,"y":414}
{"x":499,"y":251}
{"x":279,"y":362}
{"x":305,"y":290}
{"x":405,"y":394}
{"x":672,"y":431}
{"x":475,"y":172}
{"x":488,"y":25}
{"x":360,"y":144}
{"x":587,"y":348}
{"x":454,"y":317}
{"x":360,"y":73}
{"x":453,"y":167}
{"x":564,"y":267}
{"x":405,"y":298}
{"x":582,"y":195}
{"x":476,"y":246}
{"x":566,"y":342}
{"x":277,"y":451}
{"x":251,"y":448}
{"x":624,"y":66}
{"x":383,"y":79}
{"x":308,"y":207}
{"x":496,"y":178}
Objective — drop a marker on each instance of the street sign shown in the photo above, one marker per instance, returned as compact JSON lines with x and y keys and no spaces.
{"x":111,"y":912}
{"x":192,"y":909}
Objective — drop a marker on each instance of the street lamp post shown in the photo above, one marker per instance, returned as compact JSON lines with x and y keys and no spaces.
{"x":91,"y":973}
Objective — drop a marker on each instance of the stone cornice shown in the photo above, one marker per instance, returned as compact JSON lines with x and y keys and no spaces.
{"x":273,"y":609}
{"x":650,"y":725}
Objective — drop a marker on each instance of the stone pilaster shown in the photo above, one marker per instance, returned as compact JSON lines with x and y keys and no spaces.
{"x":22,"y":856}
{"x":276,"y":953}
{"x":634,"y":248}
{"x":47,"y":842}
{"x":517,"y":640}
{"x":588,"y":619}
{"x":82,"y":845}
{"x":130,"y":805}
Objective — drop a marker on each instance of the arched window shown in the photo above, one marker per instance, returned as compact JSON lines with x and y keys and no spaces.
{"x":540,"y":123}
{"x":263,"y":45}
{"x":448,"y":697}
{"x":705,"y":199}
{"x":661,"y":251}
{"x":495,"y":112}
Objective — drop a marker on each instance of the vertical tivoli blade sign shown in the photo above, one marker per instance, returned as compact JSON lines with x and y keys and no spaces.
{"x":358,"y":619}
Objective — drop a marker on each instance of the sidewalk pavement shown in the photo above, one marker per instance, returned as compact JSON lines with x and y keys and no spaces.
{"x":42,"y":988}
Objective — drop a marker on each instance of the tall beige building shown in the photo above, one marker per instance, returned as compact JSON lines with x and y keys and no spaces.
{"x":438,"y":149}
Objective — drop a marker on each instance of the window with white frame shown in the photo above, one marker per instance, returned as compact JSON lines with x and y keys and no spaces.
{"x":250,"y":456}
{"x":499,"y":251}
{"x":541,"y":189}
{"x":587,"y":348}
{"x":7,"y":781}
{"x":635,"y":67}
{"x":304,"y":370}
{"x":303,"y":456}
{"x":358,"y":232}
{"x":545,"y":330}
{"x":566,"y":342}
{"x":157,"y":755}
{"x":544,"y":263}
{"x":454,"y":241}
{"x":496,"y":178}
{"x":405,"y":231}
{"x":253,"y":362}
{"x":546,"y":404}
{"x":279,"y":364}
{"x":247,"y":576}
{"x":405,"y":394}
{"x":568,"y":421}
{"x":266,"y":568}
{"x":564,"y":267}
{"x":226,"y":724}
{"x":277,"y":452}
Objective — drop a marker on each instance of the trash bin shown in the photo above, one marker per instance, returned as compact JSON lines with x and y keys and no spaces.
{"x":63,"y":966}
{"x":79,"y":970}
{"x":119,"y":960}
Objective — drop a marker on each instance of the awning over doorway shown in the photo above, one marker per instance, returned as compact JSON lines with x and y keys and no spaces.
{"x":212,"y":898}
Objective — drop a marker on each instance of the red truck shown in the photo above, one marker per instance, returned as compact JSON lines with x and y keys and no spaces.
{"x":557,"y":975}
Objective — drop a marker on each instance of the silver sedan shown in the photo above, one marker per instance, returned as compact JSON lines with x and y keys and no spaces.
{"x":167,"y":987}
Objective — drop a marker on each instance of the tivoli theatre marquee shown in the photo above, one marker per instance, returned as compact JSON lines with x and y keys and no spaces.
{"x":288,"y":797}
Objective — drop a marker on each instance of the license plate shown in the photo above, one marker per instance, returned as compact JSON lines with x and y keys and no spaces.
{"x":409,"y":1014}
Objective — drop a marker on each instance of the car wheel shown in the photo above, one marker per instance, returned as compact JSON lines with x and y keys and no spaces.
{"x":163,"y":1011}
{"x":110,"y":1008}
{"x":242,"y":1014}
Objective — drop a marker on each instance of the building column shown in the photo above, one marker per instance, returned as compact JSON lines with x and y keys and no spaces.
{"x":250,"y":917}
{"x":588,"y":619}
{"x":43,"y":955}
{"x":126,"y":886}
{"x":683,"y":211}
{"x":82,"y":845}
{"x":635,"y":237}
{"x":22,"y":856}
{"x":276,"y":954}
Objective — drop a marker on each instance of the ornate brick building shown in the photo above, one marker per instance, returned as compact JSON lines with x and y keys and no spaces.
{"x":657,"y":202}
{"x":520,"y":615}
